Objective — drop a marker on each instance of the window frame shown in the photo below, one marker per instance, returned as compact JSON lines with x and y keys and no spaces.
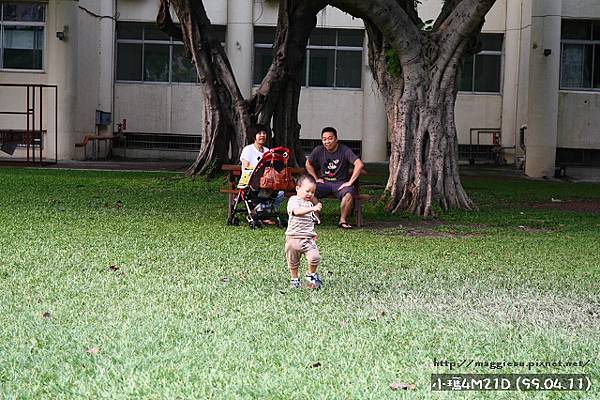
{"x":582,"y":42}
{"x":310,"y":47}
{"x":487,"y":53}
{"x":23,"y":23}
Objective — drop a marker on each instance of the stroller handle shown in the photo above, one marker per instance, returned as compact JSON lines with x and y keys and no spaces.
{"x":285,"y":150}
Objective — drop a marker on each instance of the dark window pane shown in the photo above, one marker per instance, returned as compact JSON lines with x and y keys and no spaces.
{"x":156,"y":62}
{"x":23,"y":12}
{"x":491,"y":41}
{"x":597,"y":66}
{"x":321,"y":68}
{"x":183,"y":69}
{"x":574,"y":29}
{"x":219,"y":31}
{"x":596,"y":31}
{"x":151,"y":32}
{"x":576,"y":66}
{"x":263,"y":57}
{"x":129,"y":30}
{"x":349,"y":69}
{"x":303,"y":73}
{"x":129,"y":62}
{"x":350,"y":37}
{"x":487,"y":73}
{"x":322,"y":37}
{"x":264,"y":35}
{"x":23,"y":47}
{"x":466,"y":78}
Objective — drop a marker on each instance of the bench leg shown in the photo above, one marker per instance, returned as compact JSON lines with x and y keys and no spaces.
{"x":230,"y":207}
{"x":358,"y":212}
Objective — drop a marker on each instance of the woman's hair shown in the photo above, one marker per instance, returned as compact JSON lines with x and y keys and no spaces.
{"x":260,"y":128}
{"x":305,"y":178}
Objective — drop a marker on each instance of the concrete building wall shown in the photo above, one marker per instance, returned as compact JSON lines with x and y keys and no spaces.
{"x":146,"y":10}
{"x":159,"y":108}
{"x":579,"y":111}
{"x":580,"y":9}
{"x":326,"y":107}
{"x":330,"y":17}
{"x":477,"y":111}
{"x":579,"y":120}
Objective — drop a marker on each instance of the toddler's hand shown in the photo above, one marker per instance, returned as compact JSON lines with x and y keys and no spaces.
{"x":317,"y":207}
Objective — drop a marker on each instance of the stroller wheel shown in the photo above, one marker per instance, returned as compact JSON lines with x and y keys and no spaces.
{"x":254,"y":224}
{"x":235,"y":221}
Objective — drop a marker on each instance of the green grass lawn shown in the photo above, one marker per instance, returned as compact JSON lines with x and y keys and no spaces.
{"x":130,"y":285}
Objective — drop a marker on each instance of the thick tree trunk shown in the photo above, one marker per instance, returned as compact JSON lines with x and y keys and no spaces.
{"x":229,"y":120}
{"x":417,"y":73}
{"x":278,"y":95}
{"x":226,"y":117}
{"x":423,"y":166}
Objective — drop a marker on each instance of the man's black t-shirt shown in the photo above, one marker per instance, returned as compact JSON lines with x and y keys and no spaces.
{"x":333,"y":166}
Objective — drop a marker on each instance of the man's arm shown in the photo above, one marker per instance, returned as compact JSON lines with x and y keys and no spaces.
{"x":311,"y":171}
{"x":358,"y":166}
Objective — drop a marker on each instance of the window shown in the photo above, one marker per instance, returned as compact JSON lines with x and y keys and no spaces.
{"x":333,"y":57}
{"x":146,"y":54}
{"x":580,"y":54}
{"x":22,"y":32}
{"x":482,"y":72}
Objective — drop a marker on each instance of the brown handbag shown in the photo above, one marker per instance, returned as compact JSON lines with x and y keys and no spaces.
{"x":277,"y":180}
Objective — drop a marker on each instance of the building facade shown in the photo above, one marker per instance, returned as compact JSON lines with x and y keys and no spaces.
{"x":539,"y":68}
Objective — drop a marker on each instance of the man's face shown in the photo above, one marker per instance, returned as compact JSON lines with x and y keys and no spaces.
{"x":260,"y":138}
{"x":329,"y":141}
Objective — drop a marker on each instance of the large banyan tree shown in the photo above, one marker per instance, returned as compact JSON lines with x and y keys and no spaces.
{"x":417,"y":72}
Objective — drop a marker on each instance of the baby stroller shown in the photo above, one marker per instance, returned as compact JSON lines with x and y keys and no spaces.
{"x":256,"y":203}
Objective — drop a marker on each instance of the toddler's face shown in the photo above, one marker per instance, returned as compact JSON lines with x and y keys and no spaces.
{"x":306,"y":191}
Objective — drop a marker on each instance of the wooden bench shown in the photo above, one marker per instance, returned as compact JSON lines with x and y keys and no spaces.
{"x":234,"y":171}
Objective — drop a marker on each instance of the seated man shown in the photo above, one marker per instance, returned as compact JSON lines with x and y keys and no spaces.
{"x":333,"y":160}
{"x":252,"y":154}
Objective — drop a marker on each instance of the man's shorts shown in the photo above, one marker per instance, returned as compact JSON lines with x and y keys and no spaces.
{"x":326,"y":188}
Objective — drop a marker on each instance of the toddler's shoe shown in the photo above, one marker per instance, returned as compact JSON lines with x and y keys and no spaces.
{"x":295,"y":283}
{"x":313,"y":281}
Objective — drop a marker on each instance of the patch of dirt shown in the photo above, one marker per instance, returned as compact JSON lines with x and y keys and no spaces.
{"x":586,"y":206}
{"x":378,"y":225}
{"x":425,"y":228}
{"x":530,"y":229}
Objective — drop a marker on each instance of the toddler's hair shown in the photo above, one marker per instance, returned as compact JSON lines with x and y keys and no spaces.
{"x":305,"y":178}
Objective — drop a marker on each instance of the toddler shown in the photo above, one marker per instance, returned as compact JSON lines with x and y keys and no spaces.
{"x":300,"y":236}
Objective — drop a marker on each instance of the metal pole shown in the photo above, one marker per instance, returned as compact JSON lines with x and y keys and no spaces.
{"x":41,"y":124}
{"x":27,"y":111}
{"x":31,"y":135}
{"x":56,"y":124}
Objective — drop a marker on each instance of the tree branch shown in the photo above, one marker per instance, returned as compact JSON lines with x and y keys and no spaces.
{"x":165,"y":22}
{"x":399,"y":29}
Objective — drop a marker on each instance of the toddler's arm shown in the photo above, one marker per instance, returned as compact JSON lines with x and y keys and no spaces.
{"x":305,"y":210}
